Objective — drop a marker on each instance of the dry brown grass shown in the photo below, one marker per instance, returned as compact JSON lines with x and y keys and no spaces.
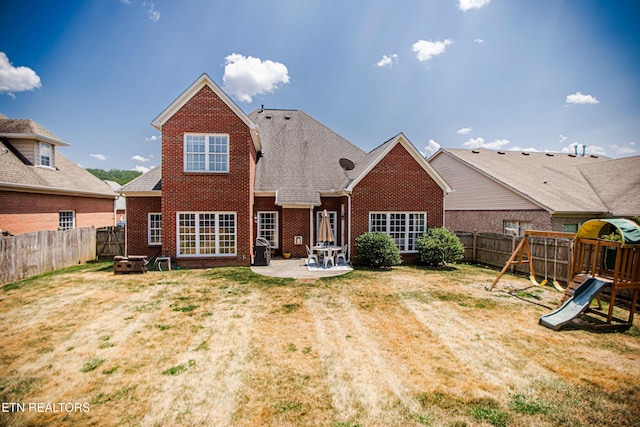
{"x":227,"y":347}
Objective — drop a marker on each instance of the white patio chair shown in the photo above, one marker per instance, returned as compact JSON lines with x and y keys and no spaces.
{"x":343,"y":254}
{"x":328,"y":258}
{"x":311,"y":256}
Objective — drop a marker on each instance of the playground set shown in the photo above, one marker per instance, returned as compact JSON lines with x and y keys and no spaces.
{"x":596,"y":265}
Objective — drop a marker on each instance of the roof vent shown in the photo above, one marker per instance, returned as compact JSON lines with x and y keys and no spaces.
{"x":524,"y":153}
{"x":287,"y":117}
{"x":268,"y":117}
{"x":501,"y":152}
{"x":475,"y":151}
{"x":595,"y":156}
{"x":549,"y":154}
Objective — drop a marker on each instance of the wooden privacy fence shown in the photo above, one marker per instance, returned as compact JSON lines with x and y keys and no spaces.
{"x":109,"y":242}
{"x":38,"y":252}
{"x":495,"y":249}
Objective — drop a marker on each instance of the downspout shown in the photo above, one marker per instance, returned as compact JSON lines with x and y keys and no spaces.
{"x":311,"y":226}
{"x":349,"y":226}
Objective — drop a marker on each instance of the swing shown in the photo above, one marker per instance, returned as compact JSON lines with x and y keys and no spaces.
{"x":545,"y":281}
{"x":555,"y":262}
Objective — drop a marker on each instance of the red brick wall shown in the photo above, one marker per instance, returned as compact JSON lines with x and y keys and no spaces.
{"x":24,"y":212}
{"x":397,"y":183}
{"x":208,"y":192}
{"x":493,"y":221}
{"x":295,"y":222}
{"x":137,"y":226}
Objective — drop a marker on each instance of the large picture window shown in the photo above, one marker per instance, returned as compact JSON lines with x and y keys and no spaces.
{"x":403,"y":227}
{"x":206,"y":233}
{"x":206,"y":153}
{"x":268,"y":227}
{"x":155,"y":229}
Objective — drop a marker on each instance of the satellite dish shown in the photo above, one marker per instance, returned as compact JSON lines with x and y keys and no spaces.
{"x":347,"y":164}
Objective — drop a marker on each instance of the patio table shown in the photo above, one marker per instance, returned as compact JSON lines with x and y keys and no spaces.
{"x":328,"y":251}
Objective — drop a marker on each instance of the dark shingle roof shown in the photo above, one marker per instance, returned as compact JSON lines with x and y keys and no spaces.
{"x":24,"y":128}
{"x":150,"y":181}
{"x":300,"y":157}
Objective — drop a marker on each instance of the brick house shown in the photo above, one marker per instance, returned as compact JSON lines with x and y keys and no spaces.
{"x":511,"y":191}
{"x":40,"y":189}
{"x":228,"y":177}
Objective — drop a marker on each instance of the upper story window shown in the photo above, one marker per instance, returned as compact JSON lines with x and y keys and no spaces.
{"x":46,"y":155}
{"x":206,"y":153}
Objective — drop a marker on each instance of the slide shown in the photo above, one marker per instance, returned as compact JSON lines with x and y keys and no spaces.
{"x":575,"y":305}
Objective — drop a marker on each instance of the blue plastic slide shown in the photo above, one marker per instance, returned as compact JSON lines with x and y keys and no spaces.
{"x":575,"y":305}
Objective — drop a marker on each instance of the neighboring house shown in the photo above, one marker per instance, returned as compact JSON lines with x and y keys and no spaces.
{"x":511,"y":191}
{"x":228,"y":177}
{"x":40,"y":189}
{"x":120,"y":204}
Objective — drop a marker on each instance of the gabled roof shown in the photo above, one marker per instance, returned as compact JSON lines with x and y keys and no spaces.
{"x":300,"y":158}
{"x":67,"y":177}
{"x":376,"y":155}
{"x":27,"y":129}
{"x":617,"y":183}
{"x":147,"y":184}
{"x":202,"y":81}
{"x":552,"y":181}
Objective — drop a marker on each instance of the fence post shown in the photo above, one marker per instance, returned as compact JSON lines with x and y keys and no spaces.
{"x":475,"y":245}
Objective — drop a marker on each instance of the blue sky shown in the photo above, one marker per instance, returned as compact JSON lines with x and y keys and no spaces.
{"x":503,"y":74}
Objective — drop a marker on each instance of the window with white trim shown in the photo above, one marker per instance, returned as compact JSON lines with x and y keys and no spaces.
{"x":333,"y":221}
{"x":154,"y":229}
{"x":206,"y":233}
{"x":516,"y":228}
{"x":66,"y":220}
{"x":206,"y":153}
{"x":403,"y":227}
{"x":46,"y":155}
{"x":268,"y":227}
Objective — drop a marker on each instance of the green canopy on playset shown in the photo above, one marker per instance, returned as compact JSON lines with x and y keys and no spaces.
{"x":628,"y":229}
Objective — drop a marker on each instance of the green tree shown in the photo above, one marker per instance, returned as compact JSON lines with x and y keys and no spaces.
{"x":377,"y":250}
{"x":439,"y":246}
{"x":118,"y":175}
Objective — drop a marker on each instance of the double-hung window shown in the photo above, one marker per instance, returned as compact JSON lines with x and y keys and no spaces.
{"x":516,"y":228}
{"x":206,"y":233}
{"x":46,"y":155}
{"x":206,"y":153}
{"x":155,"y":229}
{"x":403,"y":227}
{"x":66,"y":220}
{"x":268,"y":227}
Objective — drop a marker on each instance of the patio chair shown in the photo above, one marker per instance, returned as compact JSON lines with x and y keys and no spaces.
{"x":343,"y":254}
{"x":311,"y":256}
{"x":328,"y":259}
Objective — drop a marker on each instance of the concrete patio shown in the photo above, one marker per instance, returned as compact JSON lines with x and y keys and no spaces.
{"x":294,"y":268}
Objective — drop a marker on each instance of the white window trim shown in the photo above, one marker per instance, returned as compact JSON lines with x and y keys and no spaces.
{"x":334,"y":225}
{"x":217,"y":232}
{"x":277,"y":224}
{"x":39,"y":163}
{"x":149,"y":242}
{"x":73,"y":220}
{"x":206,"y":153}
{"x":407,"y":232}
{"x":519,"y":232}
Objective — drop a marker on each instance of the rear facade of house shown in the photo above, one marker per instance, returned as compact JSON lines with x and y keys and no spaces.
{"x":228,"y":177}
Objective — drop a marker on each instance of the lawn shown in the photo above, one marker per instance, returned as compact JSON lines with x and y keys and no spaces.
{"x":225,"y":346}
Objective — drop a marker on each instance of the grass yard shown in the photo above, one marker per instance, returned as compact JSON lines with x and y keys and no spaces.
{"x":225,"y":346}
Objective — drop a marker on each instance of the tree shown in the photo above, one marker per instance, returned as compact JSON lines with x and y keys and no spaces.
{"x":118,"y":175}
{"x":377,"y":250}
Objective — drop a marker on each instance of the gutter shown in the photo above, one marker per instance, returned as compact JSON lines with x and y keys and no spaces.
{"x":52,"y":190}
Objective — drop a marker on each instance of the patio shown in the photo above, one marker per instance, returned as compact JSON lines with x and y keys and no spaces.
{"x":296,"y":268}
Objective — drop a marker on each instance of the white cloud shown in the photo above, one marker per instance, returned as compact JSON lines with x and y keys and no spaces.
{"x":465,"y":5}
{"x":16,"y":79}
{"x":464,"y":131}
{"x":246,"y":76}
{"x":479,"y":142}
{"x":479,"y":41}
{"x":430,"y":149}
{"x":154,"y":14}
{"x":153,"y":138}
{"x":426,"y":49}
{"x":579,"y":149}
{"x":140,"y":159}
{"x":526,"y":150}
{"x":142,"y":169}
{"x":580,"y":98}
{"x":623,"y":150}
{"x":98,"y":156}
{"x":387,"y":61}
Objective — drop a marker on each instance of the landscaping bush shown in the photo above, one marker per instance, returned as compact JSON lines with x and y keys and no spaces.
{"x":439,"y":246}
{"x":377,"y":250}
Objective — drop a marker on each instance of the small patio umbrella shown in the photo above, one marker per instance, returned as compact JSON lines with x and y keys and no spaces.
{"x":325,"y":234}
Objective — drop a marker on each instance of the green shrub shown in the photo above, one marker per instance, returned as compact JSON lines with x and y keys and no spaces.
{"x":377,"y":250}
{"x":439,"y":246}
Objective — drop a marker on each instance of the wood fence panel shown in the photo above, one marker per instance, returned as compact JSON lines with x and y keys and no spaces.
{"x":495,"y":249}
{"x":110,"y":242}
{"x":38,"y":252}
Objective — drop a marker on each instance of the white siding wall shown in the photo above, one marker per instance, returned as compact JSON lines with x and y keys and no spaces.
{"x":473,"y":190}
